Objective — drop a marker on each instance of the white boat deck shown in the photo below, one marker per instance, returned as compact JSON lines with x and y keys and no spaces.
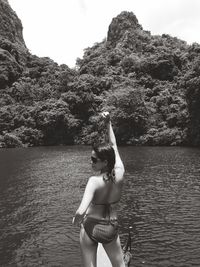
{"x":102,"y":258}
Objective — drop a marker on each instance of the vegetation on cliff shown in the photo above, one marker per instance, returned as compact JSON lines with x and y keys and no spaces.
{"x":150,"y":84}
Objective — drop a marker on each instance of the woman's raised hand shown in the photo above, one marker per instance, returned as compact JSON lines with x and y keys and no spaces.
{"x":106,"y":116}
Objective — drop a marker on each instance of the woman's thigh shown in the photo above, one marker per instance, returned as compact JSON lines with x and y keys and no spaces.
{"x":88,"y":249}
{"x":114,"y":252}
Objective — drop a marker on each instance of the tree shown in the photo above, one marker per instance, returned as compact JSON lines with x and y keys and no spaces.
{"x":129,"y":112}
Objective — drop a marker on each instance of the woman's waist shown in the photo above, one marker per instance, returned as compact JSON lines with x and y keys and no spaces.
{"x":98,"y":211}
{"x":97,"y":219}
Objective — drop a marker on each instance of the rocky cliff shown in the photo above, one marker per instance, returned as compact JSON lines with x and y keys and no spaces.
{"x":150,"y":84}
{"x":11,"y":26}
{"x":13,"y":51}
{"x":121,"y":27}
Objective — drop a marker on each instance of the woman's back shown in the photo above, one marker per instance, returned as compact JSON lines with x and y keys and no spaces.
{"x":106,"y":197}
{"x":108,"y":192}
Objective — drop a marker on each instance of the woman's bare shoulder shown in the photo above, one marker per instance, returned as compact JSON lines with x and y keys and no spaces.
{"x":95,"y":180}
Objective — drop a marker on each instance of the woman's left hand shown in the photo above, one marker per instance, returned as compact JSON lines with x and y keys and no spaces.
{"x":77,"y":219}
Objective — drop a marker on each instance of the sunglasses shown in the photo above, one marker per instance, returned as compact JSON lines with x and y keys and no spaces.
{"x":94,"y":160}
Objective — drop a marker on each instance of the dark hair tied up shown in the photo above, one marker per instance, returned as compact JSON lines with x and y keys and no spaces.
{"x":106,"y":152}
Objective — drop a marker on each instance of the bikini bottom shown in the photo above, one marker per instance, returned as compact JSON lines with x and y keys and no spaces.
{"x":101,"y":230}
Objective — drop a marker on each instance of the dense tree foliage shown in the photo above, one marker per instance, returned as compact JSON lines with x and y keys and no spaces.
{"x":150,"y":84}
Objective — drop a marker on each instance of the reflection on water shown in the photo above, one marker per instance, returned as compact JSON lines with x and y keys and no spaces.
{"x":40,"y":188}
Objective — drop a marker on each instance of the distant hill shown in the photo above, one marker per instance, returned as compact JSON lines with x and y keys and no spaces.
{"x":150,"y":84}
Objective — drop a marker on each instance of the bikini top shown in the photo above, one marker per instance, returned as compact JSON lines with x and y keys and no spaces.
{"x":107,"y":205}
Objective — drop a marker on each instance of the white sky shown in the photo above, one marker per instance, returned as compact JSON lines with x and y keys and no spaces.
{"x":61,"y":29}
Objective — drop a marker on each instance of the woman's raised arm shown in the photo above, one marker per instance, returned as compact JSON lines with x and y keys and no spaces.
{"x":110,"y":136}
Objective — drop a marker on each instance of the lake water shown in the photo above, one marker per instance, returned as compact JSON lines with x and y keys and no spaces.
{"x":40,"y":189}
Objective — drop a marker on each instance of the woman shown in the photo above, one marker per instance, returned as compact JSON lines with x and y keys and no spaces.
{"x":97,"y":211}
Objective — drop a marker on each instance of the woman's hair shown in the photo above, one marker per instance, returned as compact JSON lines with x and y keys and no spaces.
{"x":106,"y":152}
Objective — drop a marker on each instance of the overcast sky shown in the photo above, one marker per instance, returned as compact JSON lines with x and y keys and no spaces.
{"x":61,"y":29}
